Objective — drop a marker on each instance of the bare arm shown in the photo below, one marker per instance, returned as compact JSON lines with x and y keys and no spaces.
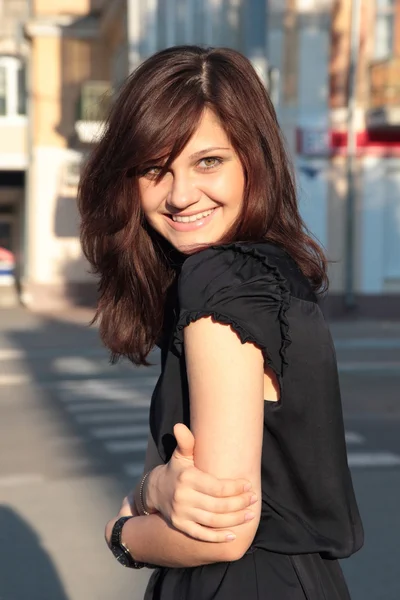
{"x":227,"y":417}
{"x":151,"y":461}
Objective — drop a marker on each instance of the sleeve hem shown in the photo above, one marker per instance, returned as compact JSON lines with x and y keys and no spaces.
{"x":276,"y":279}
{"x":190,"y":316}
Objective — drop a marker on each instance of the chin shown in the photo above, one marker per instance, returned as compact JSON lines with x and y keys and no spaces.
{"x":193,"y":245}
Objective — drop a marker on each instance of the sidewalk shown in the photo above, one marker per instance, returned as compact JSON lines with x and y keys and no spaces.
{"x":360,"y":345}
{"x":341,"y":329}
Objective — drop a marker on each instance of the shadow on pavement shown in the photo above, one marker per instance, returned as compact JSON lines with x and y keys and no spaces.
{"x":31,"y":574}
{"x":54,"y":376}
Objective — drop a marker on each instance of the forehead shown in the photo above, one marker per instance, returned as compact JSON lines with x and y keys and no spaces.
{"x":208,"y":133}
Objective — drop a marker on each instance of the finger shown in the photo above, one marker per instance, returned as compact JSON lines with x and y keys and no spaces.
{"x":205,"y":534}
{"x":223,"y":505}
{"x":223,"y":521}
{"x":184,"y":439}
{"x":218,"y":488}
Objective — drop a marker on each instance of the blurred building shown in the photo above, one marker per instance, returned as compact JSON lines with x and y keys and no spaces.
{"x":78,"y":52}
{"x":13,"y":142}
{"x":376,"y":237}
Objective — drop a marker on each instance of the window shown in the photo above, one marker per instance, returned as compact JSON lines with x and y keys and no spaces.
{"x":384,"y":29}
{"x":3,"y":91}
{"x":12,"y":87}
{"x":21,"y":90}
{"x":94,"y":101}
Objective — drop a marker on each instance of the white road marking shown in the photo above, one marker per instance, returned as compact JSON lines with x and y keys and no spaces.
{"x":373,"y":459}
{"x":106,"y":405}
{"x":106,"y":433}
{"x":73,"y":462}
{"x":368,"y":344}
{"x":133,"y":469}
{"x":137,"y":384}
{"x":48,"y":353}
{"x":22,"y":479}
{"x":17,"y":379}
{"x":133,"y":415}
{"x":12,"y":354}
{"x":353,"y":437}
{"x":126,"y":446}
{"x":68,"y":440}
{"x":369,"y":366}
{"x":76,"y":365}
{"x":107,"y":389}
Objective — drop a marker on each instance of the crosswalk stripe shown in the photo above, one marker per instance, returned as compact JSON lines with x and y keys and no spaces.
{"x":17,"y":379}
{"x":373,"y":459}
{"x":133,"y":469}
{"x":76,"y":365}
{"x":134,"y":415}
{"x":90,"y":407}
{"x":368,"y":344}
{"x":21,"y":479}
{"x":126,"y":446}
{"x":98,"y":392}
{"x":354,"y":438}
{"x":104,"y":433}
{"x":369,"y":367}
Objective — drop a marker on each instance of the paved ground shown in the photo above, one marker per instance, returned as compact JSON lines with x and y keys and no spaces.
{"x":73,"y":438}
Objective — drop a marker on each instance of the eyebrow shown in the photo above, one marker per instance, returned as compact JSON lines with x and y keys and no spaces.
{"x":206,"y":151}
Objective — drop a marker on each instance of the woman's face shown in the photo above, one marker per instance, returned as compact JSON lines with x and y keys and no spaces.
{"x":200,"y":197}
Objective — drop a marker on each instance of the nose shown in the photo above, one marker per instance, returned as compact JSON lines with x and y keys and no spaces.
{"x":182,"y":193}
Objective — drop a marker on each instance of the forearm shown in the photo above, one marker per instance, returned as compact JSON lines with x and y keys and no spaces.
{"x":151,"y":540}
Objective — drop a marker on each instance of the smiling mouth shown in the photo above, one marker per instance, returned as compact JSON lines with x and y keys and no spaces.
{"x":191,"y":218}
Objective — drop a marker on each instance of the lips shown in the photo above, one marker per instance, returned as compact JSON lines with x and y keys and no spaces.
{"x":192,"y":218}
{"x":192,"y":222}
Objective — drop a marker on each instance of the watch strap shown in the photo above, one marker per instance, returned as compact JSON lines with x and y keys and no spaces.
{"x":119,"y":549}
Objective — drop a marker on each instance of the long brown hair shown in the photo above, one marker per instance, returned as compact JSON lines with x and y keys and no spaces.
{"x":153,"y":118}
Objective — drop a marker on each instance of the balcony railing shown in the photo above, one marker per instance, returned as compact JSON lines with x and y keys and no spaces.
{"x":92,"y":109}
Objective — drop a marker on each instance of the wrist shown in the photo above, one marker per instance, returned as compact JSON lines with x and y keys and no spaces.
{"x":108,"y":530}
{"x":150,"y":491}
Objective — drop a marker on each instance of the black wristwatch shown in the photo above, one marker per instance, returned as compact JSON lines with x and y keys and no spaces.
{"x":119,"y":549}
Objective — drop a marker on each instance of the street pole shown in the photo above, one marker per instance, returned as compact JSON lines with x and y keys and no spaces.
{"x":351,"y":174}
{"x":133,"y":25}
{"x":171,"y":22}
{"x":152,"y":26}
{"x":255,"y":16}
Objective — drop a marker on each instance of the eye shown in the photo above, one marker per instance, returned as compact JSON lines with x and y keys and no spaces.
{"x":210,"y":162}
{"x":151,"y":172}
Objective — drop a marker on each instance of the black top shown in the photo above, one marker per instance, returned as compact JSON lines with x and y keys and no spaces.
{"x":308,"y":503}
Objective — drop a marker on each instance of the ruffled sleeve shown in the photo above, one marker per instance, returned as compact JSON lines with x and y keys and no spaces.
{"x":237,"y":285}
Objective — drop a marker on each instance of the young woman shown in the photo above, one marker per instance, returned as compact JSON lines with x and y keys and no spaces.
{"x":189,"y":216}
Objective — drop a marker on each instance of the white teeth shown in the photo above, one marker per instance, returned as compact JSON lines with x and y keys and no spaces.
{"x":192,"y":218}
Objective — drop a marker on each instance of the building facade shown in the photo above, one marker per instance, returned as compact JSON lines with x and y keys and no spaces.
{"x":373,"y":220}
{"x":13,"y":143}
{"x":80,"y":50}
{"x":77,"y":53}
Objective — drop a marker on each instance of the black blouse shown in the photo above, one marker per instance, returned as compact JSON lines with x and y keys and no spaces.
{"x":308,"y":503}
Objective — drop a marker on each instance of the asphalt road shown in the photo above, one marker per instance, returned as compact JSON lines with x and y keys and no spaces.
{"x":73,"y":436}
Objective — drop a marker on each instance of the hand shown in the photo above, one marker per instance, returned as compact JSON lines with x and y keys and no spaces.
{"x":128,"y":509}
{"x":194,"y":502}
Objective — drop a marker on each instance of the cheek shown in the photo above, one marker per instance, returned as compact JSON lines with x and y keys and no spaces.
{"x":234,"y":186}
{"x":227,"y":187}
{"x":148,"y":200}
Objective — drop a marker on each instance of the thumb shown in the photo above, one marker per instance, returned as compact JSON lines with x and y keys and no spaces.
{"x":185,"y":440}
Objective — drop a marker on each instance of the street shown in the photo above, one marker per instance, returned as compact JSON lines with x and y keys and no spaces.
{"x":73,"y":437}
